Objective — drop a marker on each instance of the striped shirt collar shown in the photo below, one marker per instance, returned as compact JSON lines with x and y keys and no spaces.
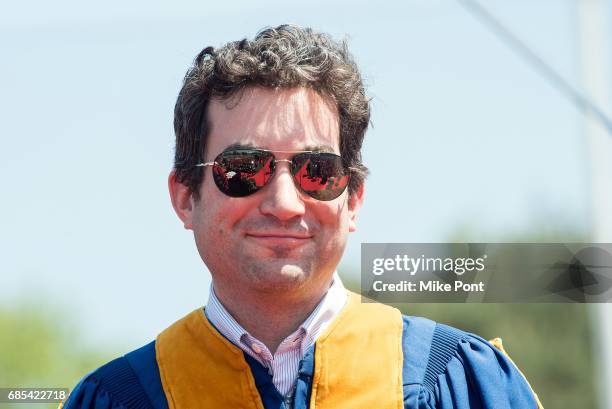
{"x":327,"y":309}
{"x":284,"y":364}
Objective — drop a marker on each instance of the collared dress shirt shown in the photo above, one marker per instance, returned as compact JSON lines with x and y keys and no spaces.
{"x":284,"y":364}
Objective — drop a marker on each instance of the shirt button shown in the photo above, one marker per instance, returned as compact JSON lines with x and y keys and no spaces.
{"x":256,"y":348}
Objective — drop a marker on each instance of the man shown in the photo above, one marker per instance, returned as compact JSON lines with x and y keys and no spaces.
{"x":268,"y":176}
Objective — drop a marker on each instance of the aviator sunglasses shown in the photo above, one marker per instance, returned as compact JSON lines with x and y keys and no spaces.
{"x":242,"y":172}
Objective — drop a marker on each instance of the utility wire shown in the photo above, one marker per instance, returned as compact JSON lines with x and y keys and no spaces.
{"x":582,"y":102}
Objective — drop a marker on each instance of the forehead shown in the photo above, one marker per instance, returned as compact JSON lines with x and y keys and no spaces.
{"x":275,"y":119}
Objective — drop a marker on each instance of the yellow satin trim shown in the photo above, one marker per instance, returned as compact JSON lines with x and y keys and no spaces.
{"x":359,"y":358}
{"x":199,"y":368}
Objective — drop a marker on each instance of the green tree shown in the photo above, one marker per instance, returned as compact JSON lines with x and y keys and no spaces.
{"x":37,"y":350}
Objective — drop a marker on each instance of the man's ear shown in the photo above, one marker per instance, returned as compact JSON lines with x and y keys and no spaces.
{"x":182,"y":200}
{"x":355,"y":202}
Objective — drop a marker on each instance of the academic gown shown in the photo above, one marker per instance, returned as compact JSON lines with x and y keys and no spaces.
{"x":443,"y":368}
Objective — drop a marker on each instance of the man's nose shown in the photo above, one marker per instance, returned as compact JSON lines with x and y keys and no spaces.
{"x":282,"y":199}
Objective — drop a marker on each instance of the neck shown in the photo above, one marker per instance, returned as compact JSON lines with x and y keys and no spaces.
{"x":270,"y":317}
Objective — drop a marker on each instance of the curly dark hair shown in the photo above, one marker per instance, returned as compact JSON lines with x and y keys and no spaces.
{"x":287,"y":56}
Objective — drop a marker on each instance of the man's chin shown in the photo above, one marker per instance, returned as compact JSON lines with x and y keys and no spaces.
{"x":281,"y":277}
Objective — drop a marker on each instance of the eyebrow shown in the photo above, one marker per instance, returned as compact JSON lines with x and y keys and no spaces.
{"x":313,"y":148}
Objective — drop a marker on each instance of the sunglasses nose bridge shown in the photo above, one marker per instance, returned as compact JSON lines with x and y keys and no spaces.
{"x":289,"y":163}
{"x":277,"y":170}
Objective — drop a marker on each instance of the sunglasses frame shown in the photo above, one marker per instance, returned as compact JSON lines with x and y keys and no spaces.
{"x":275,"y":160}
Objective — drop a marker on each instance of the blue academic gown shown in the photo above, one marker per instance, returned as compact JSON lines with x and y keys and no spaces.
{"x":443,"y":368}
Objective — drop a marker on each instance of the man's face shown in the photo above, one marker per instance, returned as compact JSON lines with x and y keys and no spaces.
{"x":277,"y":239}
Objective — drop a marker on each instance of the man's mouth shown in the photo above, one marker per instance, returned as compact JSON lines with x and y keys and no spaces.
{"x":282,"y":239}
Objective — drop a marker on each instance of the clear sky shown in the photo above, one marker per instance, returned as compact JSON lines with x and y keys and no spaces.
{"x":87,"y":96}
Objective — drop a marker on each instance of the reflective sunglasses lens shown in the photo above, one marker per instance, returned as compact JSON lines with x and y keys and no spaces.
{"x":242,"y":172}
{"x":320,"y":175}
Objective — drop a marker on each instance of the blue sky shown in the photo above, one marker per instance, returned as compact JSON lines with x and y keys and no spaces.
{"x":87,"y":98}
